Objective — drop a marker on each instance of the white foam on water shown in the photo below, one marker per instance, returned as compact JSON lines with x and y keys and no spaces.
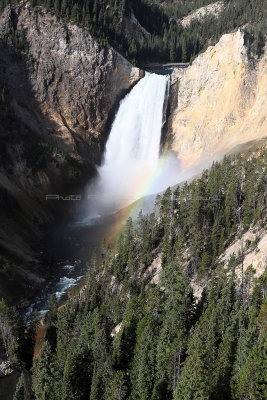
{"x":132,"y":150}
{"x":64,"y":285}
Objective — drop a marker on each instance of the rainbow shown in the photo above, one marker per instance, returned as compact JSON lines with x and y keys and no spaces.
{"x":143,"y":186}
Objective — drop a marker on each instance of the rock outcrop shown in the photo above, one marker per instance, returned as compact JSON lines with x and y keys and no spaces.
{"x":254,"y":246}
{"x":201,"y":13}
{"x":61,"y":96}
{"x":5,"y":368}
{"x":76,"y":82}
{"x":221,"y":102}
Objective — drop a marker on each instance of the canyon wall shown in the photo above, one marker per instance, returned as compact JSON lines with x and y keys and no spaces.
{"x":59,"y":92}
{"x":220,"y":102}
{"x":75,"y":82}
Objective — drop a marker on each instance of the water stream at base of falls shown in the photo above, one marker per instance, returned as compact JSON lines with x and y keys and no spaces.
{"x":130,"y":160}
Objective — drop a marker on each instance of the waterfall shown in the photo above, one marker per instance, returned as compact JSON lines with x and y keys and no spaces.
{"x":136,"y":131}
{"x":132,"y":149}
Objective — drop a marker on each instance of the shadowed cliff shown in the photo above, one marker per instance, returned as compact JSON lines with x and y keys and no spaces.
{"x":59,"y":92}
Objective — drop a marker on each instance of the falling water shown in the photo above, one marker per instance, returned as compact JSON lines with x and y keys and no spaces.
{"x":132,"y":150}
{"x":136,"y":132}
{"x":131,"y":158}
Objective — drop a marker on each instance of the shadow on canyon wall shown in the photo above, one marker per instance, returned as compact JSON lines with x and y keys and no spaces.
{"x":33,"y":164}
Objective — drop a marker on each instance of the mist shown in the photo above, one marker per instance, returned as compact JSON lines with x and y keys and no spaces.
{"x":131,"y":157}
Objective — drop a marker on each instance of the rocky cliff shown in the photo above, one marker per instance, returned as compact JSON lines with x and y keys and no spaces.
{"x":75,"y":81}
{"x":220,"y":102}
{"x":59,"y":92}
{"x":201,"y":13}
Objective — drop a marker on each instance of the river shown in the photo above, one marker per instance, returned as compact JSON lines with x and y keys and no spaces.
{"x":131,"y":169}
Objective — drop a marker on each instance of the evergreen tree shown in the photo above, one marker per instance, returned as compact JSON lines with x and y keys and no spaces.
{"x":143,"y":368}
{"x":52,"y":313}
{"x":43,"y":382}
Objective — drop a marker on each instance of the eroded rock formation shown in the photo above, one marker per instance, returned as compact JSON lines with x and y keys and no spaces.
{"x":221,"y":102}
{"x":61,"y":96}
{"x":75,"y":81}
{"x":201,"y":13}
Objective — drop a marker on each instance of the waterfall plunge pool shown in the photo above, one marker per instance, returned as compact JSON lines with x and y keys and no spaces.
{"x":131,"y":169}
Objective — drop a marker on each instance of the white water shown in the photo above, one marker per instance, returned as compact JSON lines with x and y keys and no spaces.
{"x":59,"y":286}
{"x":131,"y":159}
{"x":132,"y":150}
{"x":136,"y":131}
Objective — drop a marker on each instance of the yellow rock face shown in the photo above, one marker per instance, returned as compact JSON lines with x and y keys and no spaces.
{"x":222,"y":102}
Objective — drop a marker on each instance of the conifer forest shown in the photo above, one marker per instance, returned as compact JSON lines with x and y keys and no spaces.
{"x":97,"y":97}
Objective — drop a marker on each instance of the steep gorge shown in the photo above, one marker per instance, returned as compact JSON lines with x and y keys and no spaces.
{"x":57,"y":104}
{"x":177,"y":276}
{"x":63,"y":94}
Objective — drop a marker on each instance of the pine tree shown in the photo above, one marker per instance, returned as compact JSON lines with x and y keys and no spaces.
{"x":19,"y":392}
{"x":253,"y":375}
{"x":43,"y":383}
{"x":184,"y":49}
{"x":52,"y":313}
{"x":118,"y":388}
{"x":193,"y":383}
{"x":126,"y":338}
{"x":223,"y":368}
{"x":143,"y":368}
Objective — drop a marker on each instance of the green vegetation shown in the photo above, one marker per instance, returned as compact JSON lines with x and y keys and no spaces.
{"x":167,"y":40}
{"x":126,"y":337}
{"x":167,"y":346}
{"x":16,"y":345}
